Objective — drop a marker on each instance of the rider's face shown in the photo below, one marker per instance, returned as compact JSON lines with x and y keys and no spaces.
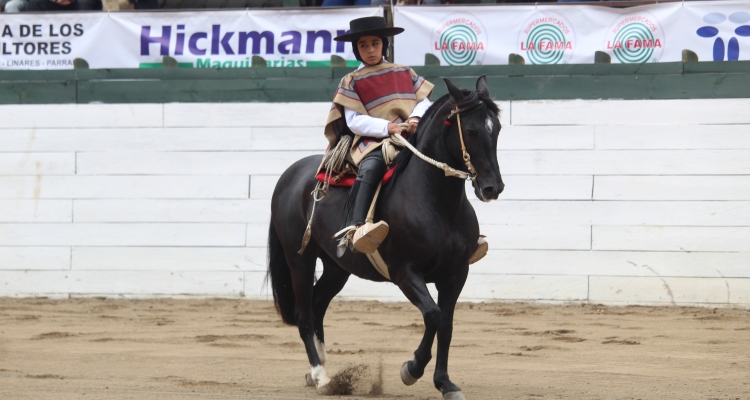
{"x":370,"y":49}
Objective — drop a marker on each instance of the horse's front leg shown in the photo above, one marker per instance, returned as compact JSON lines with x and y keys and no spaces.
{"x":414,"y":287}
{"x":448,"y":292}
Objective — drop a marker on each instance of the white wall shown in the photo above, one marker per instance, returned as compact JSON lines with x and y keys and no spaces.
{"x":615,"y":202}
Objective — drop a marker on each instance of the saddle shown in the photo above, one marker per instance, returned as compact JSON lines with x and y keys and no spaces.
{"x":335,"y":170}
{"x":343,"y":171}
{"x":347,"y":178}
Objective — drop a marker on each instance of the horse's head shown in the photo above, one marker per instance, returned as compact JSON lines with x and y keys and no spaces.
{"x":476,"y":123}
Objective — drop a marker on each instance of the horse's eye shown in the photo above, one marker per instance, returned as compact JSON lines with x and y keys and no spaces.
{"x":471,"y":132}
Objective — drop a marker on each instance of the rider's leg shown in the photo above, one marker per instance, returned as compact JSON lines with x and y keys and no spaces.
{"x":368,"y":236}
{"x":371,"y":171}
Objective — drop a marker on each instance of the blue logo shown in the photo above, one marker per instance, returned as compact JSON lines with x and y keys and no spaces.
{"x":732,"y":48}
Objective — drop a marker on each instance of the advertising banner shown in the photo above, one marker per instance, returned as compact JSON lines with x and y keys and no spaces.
{"x":461,"y":35}
{"x":561,"y":34}
{"x":196,"y":39}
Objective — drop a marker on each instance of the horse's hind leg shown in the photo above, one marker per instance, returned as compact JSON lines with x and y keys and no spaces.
{"x":302,"y":269}
{"x":328,"y":286}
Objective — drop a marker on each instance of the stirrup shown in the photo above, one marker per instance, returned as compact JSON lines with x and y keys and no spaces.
{"x":369,"y":236}
{"x":345,"y":240}
{"x":481,"y":251}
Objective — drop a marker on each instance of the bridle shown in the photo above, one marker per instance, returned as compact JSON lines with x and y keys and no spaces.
{"x":472,"y":176}
{"x":449,"y":171}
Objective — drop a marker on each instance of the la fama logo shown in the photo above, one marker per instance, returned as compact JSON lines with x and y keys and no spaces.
{"x":460,"y":39}
{"x":635,"y":38}
{"x":547,"y":38}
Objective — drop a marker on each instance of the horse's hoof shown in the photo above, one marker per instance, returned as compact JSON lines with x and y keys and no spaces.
{"x":406,"y":376}
{"x":325,"y":389}
{"x":309,"y":380}
{"x":454,"y":396}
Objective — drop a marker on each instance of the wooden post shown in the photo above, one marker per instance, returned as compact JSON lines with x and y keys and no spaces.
{"x":337,"y":61}
{"x":388,"y":10}
{"x":168,"y":62}
{"x":80,"y":63}
{"x":601,"y":57}
{"x":431,"y":59}
{"x":258,"y":62}
{"x":689,"y":56}
{"x":516,"y":59}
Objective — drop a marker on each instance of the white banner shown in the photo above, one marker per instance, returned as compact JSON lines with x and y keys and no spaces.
{"x":551,"y":34}
{"x":196,"y":39}
{"x":560,"y":34}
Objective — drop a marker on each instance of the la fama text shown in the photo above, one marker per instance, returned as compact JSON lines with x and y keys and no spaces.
{"x":55,"y":34}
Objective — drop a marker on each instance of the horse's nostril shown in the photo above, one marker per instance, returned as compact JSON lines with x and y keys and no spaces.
{"x":489,"y":192}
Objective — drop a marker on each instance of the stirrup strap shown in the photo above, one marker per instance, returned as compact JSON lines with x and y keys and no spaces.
{"x":377,"y":261}
{"x":371,"y":213}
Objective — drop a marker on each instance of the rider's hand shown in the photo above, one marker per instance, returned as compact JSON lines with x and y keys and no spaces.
{"x":393,"y":128}
{"x":412,"y":125}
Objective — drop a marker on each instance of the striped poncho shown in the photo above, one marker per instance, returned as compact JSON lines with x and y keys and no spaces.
{"x":387,"y":91}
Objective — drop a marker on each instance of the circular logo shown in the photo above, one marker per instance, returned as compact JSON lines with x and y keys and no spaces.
{"x":460,"y":39}
{"x":635,"y":39}
{"x":546,"y":38}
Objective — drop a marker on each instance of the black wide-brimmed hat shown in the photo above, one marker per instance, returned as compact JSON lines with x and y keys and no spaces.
{"x":367,"y":26}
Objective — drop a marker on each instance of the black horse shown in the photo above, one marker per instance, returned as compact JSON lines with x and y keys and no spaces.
{"x":433,"y":232}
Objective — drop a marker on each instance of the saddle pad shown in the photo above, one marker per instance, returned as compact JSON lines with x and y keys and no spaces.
{"x":348,"y":180}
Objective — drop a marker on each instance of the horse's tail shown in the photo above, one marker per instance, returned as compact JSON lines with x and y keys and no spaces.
{"x":281,"y":278}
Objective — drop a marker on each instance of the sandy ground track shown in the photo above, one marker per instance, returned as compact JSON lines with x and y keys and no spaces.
{"x":239,"y":349}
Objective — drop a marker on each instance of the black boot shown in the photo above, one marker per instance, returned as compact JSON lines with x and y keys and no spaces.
{"x":371,"y":171}
{"x":362,"y":200}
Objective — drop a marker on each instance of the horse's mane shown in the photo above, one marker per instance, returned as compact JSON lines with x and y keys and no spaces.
{"x":404,"y":156}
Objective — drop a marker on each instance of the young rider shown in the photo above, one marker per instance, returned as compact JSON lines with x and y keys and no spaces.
{"x":370,"y":103}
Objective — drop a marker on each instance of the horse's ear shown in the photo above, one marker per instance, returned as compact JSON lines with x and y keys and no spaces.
{"x":482,"y":86}
{"x":455,"y":92}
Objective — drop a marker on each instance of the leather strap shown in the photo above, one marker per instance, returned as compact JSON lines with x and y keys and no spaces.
{"x":467,"y":157}
{"x":377,"y":261}
{"x":371,"y":211}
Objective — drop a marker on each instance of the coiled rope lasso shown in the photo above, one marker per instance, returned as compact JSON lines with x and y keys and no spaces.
{"x":333,"y":162}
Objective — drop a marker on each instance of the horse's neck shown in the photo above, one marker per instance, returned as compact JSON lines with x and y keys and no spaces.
{"x":446,"y":191}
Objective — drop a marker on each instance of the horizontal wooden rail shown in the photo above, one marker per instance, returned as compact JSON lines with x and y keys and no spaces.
{"x":507,"y":82}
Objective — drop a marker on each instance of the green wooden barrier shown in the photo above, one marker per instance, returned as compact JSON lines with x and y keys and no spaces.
{"x":506,"y":82}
